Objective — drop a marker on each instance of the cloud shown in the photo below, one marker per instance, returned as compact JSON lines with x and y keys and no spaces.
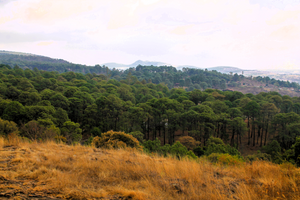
{"x":282,"y":16}
{"x":181,"y":30}
{"x":15,"y":37}
{"x":145,"y":45}
{"x":290,"y":32}
{"x":45,"y":43}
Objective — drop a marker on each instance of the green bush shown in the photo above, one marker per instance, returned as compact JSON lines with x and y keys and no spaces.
{"x":272,"y":148}
{"x":152,"y":146}
{"x":296,"y":148}
{"x":259,"y":156}
{"x":214,"y":140}
{"x":225,"y":159}
{"x":216,"y":145}
{"x":7,"y":127}
{"x":177,"y":149}
{"x":71,"y":131}
{"x":138,"y":135}
{"x":199,"y":151}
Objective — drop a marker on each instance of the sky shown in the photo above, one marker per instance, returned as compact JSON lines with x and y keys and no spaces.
{"x":248,"y":34}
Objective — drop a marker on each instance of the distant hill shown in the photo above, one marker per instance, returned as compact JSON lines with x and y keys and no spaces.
{"x":227,"y":69}
{"x":193,"y":76}
{"x":30,"y":61}
{"x":8,"y":56}
{"x":135,"y":64}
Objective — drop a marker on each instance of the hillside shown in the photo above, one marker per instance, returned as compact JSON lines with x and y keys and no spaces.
{"x":227,"y":69}
{"x":133,"y":65}
{"x":9,"y":56}
{"x":186,"y":77}
{"x":57,"y":171}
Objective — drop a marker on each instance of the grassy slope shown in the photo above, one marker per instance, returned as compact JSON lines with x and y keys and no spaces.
{"x":44,"y":170}
{"x":255,"y":87}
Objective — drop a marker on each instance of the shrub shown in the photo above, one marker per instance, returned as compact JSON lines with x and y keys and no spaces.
{"x":138,"y":135}
{"x":7,"y":127}
{"x":116,"y":140}
{"x":96,"y":132}
{"x":189,"y":142}
{"x":222,"y":149}
{"x":35,"y":130}
{"x":296,"y":148}
{"x":214,"y":140}
{"x":72,"y":132}
{"x":259,"y":156}
{"x":216,"y":145}
{"x":89,"y":141}
{"x":179,"y":150}
{"x":152,"y":145}
{"x":272,"y":148}
{"x":199,"y":151}
{"x":225,"y":159}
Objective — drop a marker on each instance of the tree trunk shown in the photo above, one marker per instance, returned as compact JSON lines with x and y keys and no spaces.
{"x":164,"y":134}
{"x":232,"y":136}
{"x":267,"y":129}
{"x":148,"y":129}
{"x":258,"y":134}
{"x":218,"y":129}
{"x":248,"y":130}
{"x":159,"y":127}
{"x":237,"y":139}
{"x":253,"y":132}
{"x":261,"y":137}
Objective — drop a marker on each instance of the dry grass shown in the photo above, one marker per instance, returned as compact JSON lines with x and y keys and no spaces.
{"x":76,"y":172}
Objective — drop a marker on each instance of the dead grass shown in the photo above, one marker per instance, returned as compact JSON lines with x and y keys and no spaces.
{"x":78,"y":172}
{"x":1,"y":142}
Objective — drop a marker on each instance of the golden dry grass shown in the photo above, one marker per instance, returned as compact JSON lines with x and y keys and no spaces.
{"x":48,"y":169}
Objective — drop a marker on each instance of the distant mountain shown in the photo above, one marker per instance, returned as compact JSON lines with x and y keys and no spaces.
{"x":227,"y":69}
{"x":8,"y":56}
{"x":30,"y":61}
{"x":136,"y":63}
{"x":27,"y":60}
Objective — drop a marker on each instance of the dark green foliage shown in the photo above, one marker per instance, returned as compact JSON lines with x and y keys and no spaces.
{"x":199,"y":151}
{"x":296,"y":148}
{"x":14,"y":111}
{"x":96,"y":132}
{"x":80,"y":106}
{"x":259,"y":156}
{"x":225,"y":159}
{"x":7,"y":127}
{"x":138,"y":135}
{"x":71,"y":131}
{"x":216,"y":145}
{"x":272,"y":148}
{"x":177,"y":149}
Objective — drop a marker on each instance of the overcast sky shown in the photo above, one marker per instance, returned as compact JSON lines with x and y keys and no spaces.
{"x":249,"y":34}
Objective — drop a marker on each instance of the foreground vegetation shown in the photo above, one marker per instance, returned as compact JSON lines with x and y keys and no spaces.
{"x":40,"y":170}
